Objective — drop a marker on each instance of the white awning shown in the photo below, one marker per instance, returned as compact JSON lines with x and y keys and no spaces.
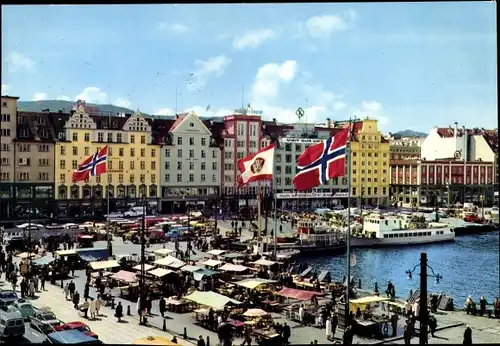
{"x":160,"y":272}
{"x":163,"y":252}
{"x":212,"y":263}
{"x":216,"y":252}
{"x":104,"y":264}
{"x":264,"y":262}
{"x":147,"y":267}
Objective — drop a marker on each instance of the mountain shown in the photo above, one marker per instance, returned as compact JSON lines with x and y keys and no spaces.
{"x":65,"y":106}
{"x":409,"y":133}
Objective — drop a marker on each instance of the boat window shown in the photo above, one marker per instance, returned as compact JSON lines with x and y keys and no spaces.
{"x":386,"y":236}
{"x":429,"y":233}
{"x":386,"y":222}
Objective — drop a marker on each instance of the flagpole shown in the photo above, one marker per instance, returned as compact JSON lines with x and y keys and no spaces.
{"x":109,"y":186}
{"x":348,"y":240}
{"x":275,"y":195}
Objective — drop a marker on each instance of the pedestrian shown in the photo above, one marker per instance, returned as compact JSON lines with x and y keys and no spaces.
{"x":31,"y":288}
{"x":71,"y":288}
{"x":98,"y":304}
{"x":92,"y":308}
{"x":467,"y":336}
{"x":200,"y":341}
{"x":85,"y":308}
{"x":286,"y":333}
{"x":76,"y":299}
{"x":328,"y":330}
{"x":174,"y":339}
{"x":432,"y":324}
{"x":335,"y":323}
{"x":42,"y":282}
{"x":163,"y":306}
{"x":119,"y":311}
{"x":86,"y":290}
{"x":394,"y":324}
{"x":301,"y":314}
{"x":407,"y":335}
{"x":66,"y":291}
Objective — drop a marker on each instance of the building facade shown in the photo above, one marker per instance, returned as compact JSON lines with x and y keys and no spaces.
{"x":442,"y":183}
{"x":405,"y":148}
{"x":190,"y":164}
{"x":370,"y":176}
{"x":133,"y":163}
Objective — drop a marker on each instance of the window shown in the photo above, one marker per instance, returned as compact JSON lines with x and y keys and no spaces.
{"x":203,"y":141}
{"x":100,"y":137}
{"x":153,"y":164}
{"x":75,"y":137}
{"x":153,"y":152}
{"x":202,"y":178}
{"x":191,"y":140}
{"x":167,"y":165}
{"x":179,"y":140}
{"x":75,"y":151}
{"x":167,"y":177}
{"x":214,"y":166}
{"x":179,"y":178}
{"x":191,"y":177}
{"x":179,"y":152}
{"x":120,"y":165}
{"x":191,"y":165}
{"x":214,"y":178}
{"x":119,"y":137}
{"x":62,"y":164}
{"x":132,"y":178}
{"x":74,"y":164}
{"x":203,"y":154}
{"x":143,"y":165}
{"x":120,"y":152}
{"x":132,"y":164}
{"x":132,"y":139}
{"x":153,"y":178}
{"x":179,"y":165}
{"x":62,"y":178}
{"x":167,"y":152}
{"x":143,"y":152}
{"x":86,"y":137}
{"x":86,"y":150}
{"x":203,"y":166}
{"x":120,"y":178}
{"x":110,"y":138}
{"x":191,"y":153}
{"x":132,"y":152}
{"x":143,"y":139}
{"x":142,"y":178}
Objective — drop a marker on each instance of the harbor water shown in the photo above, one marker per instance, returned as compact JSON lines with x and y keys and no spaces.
{"x":469,"y":266}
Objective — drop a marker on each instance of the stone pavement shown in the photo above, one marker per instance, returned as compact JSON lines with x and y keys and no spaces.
{"x":105,"y":325}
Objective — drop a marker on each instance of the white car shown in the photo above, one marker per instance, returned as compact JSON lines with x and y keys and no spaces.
{"x":114,"y":215}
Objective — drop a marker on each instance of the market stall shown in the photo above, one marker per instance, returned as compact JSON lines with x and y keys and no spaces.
{"x":367,"y":321}
{"x":306,"y":299}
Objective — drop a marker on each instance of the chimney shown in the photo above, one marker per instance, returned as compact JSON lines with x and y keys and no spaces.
{"x":176,"y":116}
{"x":328,"y":122}
{"x":274,"y":120}
{"x":455,"y":132}
{"x":466,"y":146}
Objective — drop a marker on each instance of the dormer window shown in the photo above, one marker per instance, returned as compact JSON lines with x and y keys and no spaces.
{"x":61,"y":136}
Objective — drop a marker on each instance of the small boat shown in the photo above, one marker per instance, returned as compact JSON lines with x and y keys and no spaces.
{"x":388,"y":230}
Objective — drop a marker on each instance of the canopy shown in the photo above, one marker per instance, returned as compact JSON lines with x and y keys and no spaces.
{"x":62,"y":253}
{"x":163,"y":252}
{"x":154,"y":340}
{"x":124,"y":276}
{"x":214,"y":300}
{"x":90,"y":255}
{"x":255,"y":313}
{"x":28,"y":255}
{"x":264,"y":262}
{"x":104,"y":264}
{"x":43,"y":261}
{"x":233,"y":255}
{"x":160,"y":272}
{"x":369,"y":299}
{"x":228,"y":267}
{"x":298,"y":294}
{"x":253,"y":283}
{"x":147,"y":267}
{"x":306,"y":272}
{"x":199,"y":274}
{"x":176,"y":264}
{"x":190,"y":269}
{"x":167,"y":261}
{"x":324,"y":276}
{"x":72,"y":337}
{"x":212,"y":263}
{"x":216,"y":252}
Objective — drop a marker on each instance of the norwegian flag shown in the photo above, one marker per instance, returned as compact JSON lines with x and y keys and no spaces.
{"x":321,"y":162}
{"x":92,"y":166}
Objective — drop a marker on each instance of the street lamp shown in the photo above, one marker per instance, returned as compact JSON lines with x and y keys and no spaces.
{"x":424,"y":313}
{"x":188,"y":211}
{"x":143,"y":261}
{"x":481,"y":198}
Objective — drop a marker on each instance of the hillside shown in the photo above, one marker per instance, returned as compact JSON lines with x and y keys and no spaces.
{"x":409,"y":133}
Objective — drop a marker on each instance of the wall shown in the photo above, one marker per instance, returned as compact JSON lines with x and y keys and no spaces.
{"x":7,"y":135}
{"x":480,"y":149}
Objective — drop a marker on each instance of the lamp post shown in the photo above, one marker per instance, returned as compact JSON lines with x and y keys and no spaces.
{"x":188,"y":211}
{"x":30,"y":207}
{"x":424,"y":313}
{"x":481,"y":199}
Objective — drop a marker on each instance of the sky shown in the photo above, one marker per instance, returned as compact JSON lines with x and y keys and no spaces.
{"x":410,"y":65}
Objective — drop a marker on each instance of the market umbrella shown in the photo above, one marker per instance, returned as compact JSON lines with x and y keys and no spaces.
{"x":255,"y":313}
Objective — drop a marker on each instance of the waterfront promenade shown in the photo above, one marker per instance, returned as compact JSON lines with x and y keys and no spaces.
{"x":450,"y":324}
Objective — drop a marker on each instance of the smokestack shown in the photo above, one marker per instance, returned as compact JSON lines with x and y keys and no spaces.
{"x":455,"y":132}
{"x":328,"y":122}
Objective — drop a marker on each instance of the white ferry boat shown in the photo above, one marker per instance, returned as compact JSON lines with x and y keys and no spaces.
{"x":384,"y":230}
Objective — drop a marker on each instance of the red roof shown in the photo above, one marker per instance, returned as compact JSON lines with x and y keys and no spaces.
{"x":178,"y":120}
{"x":294,"y":293}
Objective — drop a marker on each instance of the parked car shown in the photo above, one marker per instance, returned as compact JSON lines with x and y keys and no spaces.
{"x":8,"y":297}
{"x":25,"y":308}
{"x":44,"y":321}
{"x":77,"y":325}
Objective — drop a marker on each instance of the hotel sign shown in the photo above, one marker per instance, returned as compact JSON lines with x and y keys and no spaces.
{"x":301,"y":140}
{"x":247,"y":111}
{"x":300,"y":195}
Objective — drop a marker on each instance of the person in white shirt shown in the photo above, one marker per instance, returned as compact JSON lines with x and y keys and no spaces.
{"x":301,"y":314}
{"x":329,"y":328}
{"x":416,"y":308}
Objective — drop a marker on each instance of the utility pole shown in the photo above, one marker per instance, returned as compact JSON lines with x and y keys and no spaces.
{"x":143,"y":261}
{"x":424,"y":313}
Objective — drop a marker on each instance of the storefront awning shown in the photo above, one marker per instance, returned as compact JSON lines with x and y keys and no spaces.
{"x":124,"y":276}
{"x":254,"y":283}
{"x":104,"y":264}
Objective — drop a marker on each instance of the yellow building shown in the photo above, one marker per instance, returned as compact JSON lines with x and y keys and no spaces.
{"x":133,"y":162}
{"x":369,"y":164}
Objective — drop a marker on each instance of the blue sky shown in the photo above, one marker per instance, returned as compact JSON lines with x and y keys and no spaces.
{"x":414,"y":65}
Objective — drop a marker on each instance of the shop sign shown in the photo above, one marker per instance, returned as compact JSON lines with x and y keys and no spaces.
{"x":301,"y":140}
{"x":248,"y":111}
{"x":300,"y":195}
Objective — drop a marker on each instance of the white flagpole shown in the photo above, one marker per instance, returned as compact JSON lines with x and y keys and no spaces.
{"x":348,"y":238}
{"x":275,"y":195}
{"x":109,"y":185}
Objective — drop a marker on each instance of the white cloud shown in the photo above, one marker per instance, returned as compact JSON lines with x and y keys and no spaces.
{"x":372,"y":109}
{"x":5,"y":89}
{"x":63,"y":98}
{"x":205,"y":69}
{"x":253,"y":38}
{"x":203,"y":112}
{"x":92,"y":95}
{"x":164,"y":111}
{"x":324,"y":26}
{"x":122,"y":103}
{"x":269,"y":78}
{"x":17,"y":61}
{"x":40,"y":96}
{"x":175,"y":28}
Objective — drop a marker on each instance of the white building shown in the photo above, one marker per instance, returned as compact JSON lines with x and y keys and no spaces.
{"x":190,"y":163}
{"x":458,"y":143}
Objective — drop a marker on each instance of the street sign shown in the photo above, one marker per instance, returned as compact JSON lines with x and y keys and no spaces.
{"x":299,"y":112}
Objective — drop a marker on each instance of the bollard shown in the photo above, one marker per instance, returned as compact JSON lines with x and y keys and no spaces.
{"x":185,"y":334}
{"x":208,"y":341}
{"x":128,"y":310}
{"x":359,"y":283}
{"x":113,"y":303}
{"x":376,"y":287}
{"x":62,"y":283}
{"x":164,"y":327}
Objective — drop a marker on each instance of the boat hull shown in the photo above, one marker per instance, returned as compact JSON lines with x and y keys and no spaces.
{"x":387,"y":242}
{"x":475,"y":229}
{"x":333,"y":249}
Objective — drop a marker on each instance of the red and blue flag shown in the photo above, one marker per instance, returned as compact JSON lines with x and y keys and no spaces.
{"x":92,"y":166}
